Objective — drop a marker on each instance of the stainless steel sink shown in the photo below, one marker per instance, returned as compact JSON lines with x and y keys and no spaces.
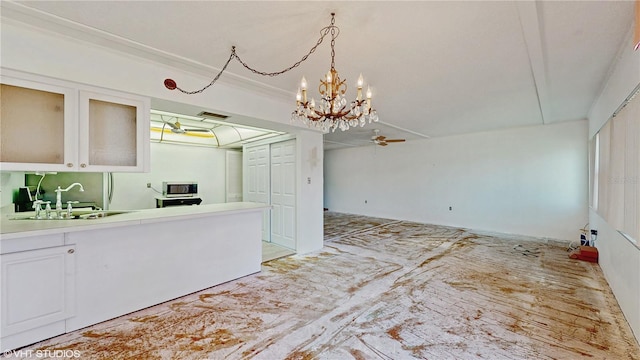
{"x":77,"y":215}
{"x":87,"y":215}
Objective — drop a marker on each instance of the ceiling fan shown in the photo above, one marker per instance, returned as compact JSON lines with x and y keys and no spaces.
{"x":382,"y":140}
{"x":177,"y":128}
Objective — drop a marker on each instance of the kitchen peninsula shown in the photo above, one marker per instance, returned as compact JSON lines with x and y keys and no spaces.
{"x":63,"y":275}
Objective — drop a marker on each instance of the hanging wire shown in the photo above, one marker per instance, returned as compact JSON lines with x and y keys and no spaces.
{"x":333,"y":29}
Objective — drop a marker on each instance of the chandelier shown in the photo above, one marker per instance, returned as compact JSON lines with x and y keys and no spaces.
{"x":332,"y":111}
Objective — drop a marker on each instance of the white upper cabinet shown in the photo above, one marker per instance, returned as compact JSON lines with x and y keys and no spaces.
{"x":114,"y":132}
{"x":54,"y":125}
{"x":35,"y":121}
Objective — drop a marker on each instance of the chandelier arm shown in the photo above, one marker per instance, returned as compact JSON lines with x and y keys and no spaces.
{"x":319,"y":115}
{"x":314,"y":116}
{"x":344,"y":115}
{"x":342,"y":111}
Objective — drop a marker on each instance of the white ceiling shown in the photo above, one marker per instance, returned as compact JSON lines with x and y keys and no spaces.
{"x":436,"y":68}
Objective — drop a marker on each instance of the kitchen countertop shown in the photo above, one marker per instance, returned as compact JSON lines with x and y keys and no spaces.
{"x":12,"y":229}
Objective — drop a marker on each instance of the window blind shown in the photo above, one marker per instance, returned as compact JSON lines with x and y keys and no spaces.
{"x":593,"y":184}
{"x":617,"y":170}
{"x":632,"y":171}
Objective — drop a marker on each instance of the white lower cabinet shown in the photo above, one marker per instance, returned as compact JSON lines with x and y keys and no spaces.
{"x":124,"y":269}
{"x":38,"y":294}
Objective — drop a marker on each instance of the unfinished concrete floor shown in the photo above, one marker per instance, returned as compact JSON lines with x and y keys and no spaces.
{"x":384,"y":290}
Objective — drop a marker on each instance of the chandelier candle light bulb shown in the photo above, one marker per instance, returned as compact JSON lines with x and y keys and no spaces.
{"x":303,"y":86}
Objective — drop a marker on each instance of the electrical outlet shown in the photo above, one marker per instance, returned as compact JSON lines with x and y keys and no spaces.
{"x":365,"y":201}
{"x":450,"y":208}
{"x":149,"y":185}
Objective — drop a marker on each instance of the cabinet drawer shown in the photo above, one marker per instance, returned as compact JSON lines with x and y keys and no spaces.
{"x":30,"y":243}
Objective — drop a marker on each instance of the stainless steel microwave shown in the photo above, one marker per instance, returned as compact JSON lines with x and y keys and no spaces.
{"x":179,"y":188}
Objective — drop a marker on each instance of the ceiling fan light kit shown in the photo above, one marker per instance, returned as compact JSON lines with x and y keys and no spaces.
{"x":333,"y":111}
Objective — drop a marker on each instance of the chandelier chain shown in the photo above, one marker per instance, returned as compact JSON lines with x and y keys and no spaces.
{"x":323,"y":33}
{"x":333,"y":29}
{"x":212,"y":81}
{"x":333,"y":42}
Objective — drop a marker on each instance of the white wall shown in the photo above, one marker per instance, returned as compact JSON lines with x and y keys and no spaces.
{"x":529,"y":181}
{"x":310,"y":230}
{"x":619,"y":258}
{"x":623,"y":78}
{"x":170,"y":162}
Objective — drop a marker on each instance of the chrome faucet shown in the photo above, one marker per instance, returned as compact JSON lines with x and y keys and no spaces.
{"x":37,"y":205}
{"x":59,"y":197}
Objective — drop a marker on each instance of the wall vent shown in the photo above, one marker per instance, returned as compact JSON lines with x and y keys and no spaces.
{"x":211,"y":115}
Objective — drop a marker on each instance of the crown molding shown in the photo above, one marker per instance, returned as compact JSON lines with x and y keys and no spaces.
{"x":21,"y":14}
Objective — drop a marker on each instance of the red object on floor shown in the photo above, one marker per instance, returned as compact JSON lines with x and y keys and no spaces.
{"x":586,"y":253}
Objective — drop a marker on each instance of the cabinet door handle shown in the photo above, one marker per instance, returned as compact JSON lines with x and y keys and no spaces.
{"x":71,"y":251}
{"x":69,"y":164}
{"x":83,"y":165}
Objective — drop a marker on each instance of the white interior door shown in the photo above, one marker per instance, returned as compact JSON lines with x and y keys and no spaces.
{"x":257,"y":178}
{"x":233,"y":184}
{"x":283,"y":193}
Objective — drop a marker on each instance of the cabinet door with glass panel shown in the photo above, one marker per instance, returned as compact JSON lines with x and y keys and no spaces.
{"x":113,"y":132}
{"x":55,"y":125}
{"x":36,"y":119}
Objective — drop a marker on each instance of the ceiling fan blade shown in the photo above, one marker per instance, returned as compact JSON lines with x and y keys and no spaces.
{"x":382,"y":143}
{"x":380,"y":138}
{"x":395,"y":140}
{"x":172,"y":125}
